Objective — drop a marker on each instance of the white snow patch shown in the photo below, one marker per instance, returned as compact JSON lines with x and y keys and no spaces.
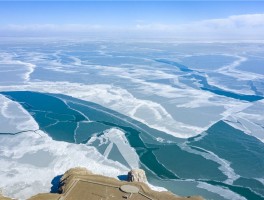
{"x":21,"y":177}
{"x":117,"y":137}
{"x":250,"y":120}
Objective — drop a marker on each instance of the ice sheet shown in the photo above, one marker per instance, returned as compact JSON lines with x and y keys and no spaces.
{"x":30,"y":160}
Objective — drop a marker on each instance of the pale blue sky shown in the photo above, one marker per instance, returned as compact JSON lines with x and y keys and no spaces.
{"x":121,"y":12}
{"x":164,"y":18}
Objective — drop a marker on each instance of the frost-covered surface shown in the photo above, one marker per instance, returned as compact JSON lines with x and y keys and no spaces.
{"x":14,"y":118}
{"x":147,"y":84}
{"x":30,"y":160}
{"x":180,"y":89}
{"x":117,"y":137}
{"x":118,"y":99}
{"x":249,"y":120}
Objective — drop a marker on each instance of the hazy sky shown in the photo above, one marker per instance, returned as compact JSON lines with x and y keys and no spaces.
{"x":172,"y":19}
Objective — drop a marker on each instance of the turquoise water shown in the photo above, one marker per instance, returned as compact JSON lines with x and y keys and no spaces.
{"x":72,"y":120}
{"x":230,"y":143}
{"x":183,"y":89}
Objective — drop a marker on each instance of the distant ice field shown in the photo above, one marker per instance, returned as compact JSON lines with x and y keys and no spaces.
{"x":164,"y":107}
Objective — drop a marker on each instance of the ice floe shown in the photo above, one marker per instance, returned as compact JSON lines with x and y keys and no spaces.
{"x":250,"y":120}
{"x":227,"y":194}
{"x":117,"y":137}
{"x":31,"y":159}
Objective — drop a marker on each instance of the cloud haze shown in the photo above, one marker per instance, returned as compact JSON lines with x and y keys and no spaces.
{"x":238,"y":27}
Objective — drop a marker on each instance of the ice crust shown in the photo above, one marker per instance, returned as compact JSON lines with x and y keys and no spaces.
{"x":30,"y":160}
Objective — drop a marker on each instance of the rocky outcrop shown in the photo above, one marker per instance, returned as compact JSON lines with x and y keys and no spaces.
{"x":78,"y":176}
{"x":80,"y":183}
{"x":137,"y":175}
{"x":77,"y":171}
{"x":81,"y":171}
